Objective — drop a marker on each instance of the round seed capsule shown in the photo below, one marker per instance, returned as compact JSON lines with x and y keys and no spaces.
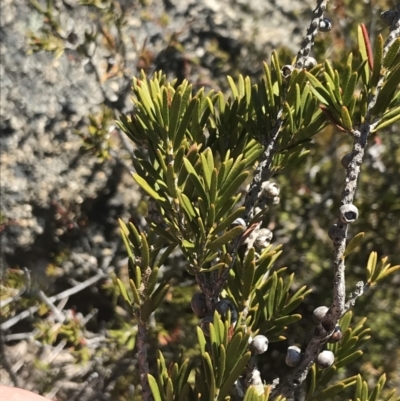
{"x":293,"y":356}
{"x":259,"y":345}
{"x":325,"y":359}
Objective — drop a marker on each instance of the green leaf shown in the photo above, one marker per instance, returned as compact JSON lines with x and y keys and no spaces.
{"x":286,"y":320}
{"x":135,"y":292}
{"x":233,"y":376}
{"x":209,"y":372}
{"x":225,"y":238}
{"x":154,"y":387}
{"x":347,"y":123}
{"x":123,"y":292}
{"x":171,"y":181}
{"x":348,"y":359}
{"x":221,"y":365}
{"x":386,"y":94}
{"x":329,"y":392}
{"x":152,"y":280}
{"x":187,"y":206}
{"x":145,"y":252}
{"x":229,"y":220}
{"x":378,"y":55}
{"x":158,"y":296}
{"x":248,"y":273}
{"x":231,"y":190}
{"x":195,"y":179}
{"x":184,"y":124}
{"x":312,"y":382}
{"x":349,"y":89}
{"x":146,"y":187}
{"x":353,"y":244}
{"x":202,"y":340}
{"x":363,"y":44}
{"x":271,"y":295}
{"x":232,"y":85}
{"x":371,"y":265}
{"x":392,"y":53}
{"x":387,"y":121}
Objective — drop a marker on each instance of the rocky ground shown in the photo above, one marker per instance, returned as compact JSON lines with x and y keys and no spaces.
{"x":59,"y":204}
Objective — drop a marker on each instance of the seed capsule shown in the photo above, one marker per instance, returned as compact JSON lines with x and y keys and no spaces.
{"x":259,"y":345}
{"x":223,"y":306}
{"x":287,"y":70}
{"x":346,"y":160}
{"x":325,"y":25}
{"x":293,"y":356}
{"x":325,"y":359}
{"x":310,"y":63}
{"x":205,"y":325}
{"x":198,"y":304}
{"x":337,"y":335}
{"x":336,"y":233}
{"x":348,"y":213}
{"x":319,"y":314}
{"x":264,"y":237}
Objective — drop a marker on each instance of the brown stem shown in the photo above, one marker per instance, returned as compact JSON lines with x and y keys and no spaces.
{"x":143,"y":361}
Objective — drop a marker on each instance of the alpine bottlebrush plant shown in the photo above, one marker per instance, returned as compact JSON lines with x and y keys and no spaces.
{"x":206,"y":162}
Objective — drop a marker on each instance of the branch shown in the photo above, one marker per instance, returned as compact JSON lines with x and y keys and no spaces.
{"x":338,"y":234}
{"x":143,"y":361}
{"x":263,"y":171}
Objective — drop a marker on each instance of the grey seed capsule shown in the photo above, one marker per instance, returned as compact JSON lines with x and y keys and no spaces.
{"x":223,"y":306}
{"x":319,"y":314}
{"x":346,"y":160}
{"x":198,"y":304}
{"x":336,"y":233}
{"x":293,"y":356}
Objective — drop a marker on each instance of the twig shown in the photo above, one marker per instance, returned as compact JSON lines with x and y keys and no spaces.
{"x":143,"y":361}
{"x":361,"y":288}
{"x":93,"y":376}
{"x":263,"y":171}
{"x":6,"y":364}
{"x":322,"y":333}
{"x":58,"y":315}
{"x":71,"y":291}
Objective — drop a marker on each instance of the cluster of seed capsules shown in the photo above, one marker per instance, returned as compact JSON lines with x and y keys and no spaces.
{"x":259,"y":344}
{"x":326,"y":358}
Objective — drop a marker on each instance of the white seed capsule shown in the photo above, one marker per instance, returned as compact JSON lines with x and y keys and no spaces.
{"x":325,"y":359}
{"x":325,"y":25}
{"x":263,"y":239}
{"x":293,"y":356}
{"x":259,"y":345}
{"x":319,"y":313}
{"x":348,"y":213}
{"x":270,"y":189}
{"x":287,"y":70}
{"x":310,"y":63}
